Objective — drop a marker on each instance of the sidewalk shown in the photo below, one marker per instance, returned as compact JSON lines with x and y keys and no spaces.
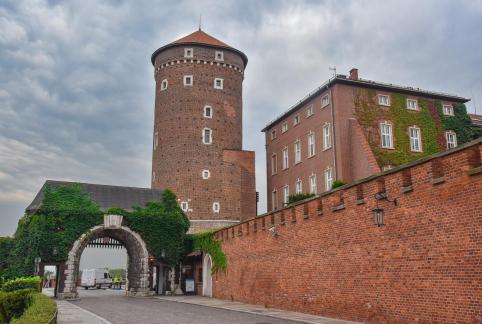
{"x":70,"y":313}
{"x":253,"y":309}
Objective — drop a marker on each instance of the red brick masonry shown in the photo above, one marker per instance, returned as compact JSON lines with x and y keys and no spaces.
{"x":423,"y":266}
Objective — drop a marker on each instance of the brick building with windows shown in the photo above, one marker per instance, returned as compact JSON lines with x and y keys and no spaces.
{"x":350,"y":128}
{"x":197,"y":147}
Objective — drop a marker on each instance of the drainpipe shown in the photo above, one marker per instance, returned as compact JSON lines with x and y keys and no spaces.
{"x":332,"y":105}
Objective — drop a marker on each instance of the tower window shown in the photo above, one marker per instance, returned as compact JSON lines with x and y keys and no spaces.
{"x":206,"y":174}
{"x":208,"y":111}
{"x":188,"y":80}
{"x":207,"y":136}
{"x":216,"y":207}
{"x":218,"y":83}
{"x":415,"y":139}
{"x":184,"y":206}
{"x":219,"y":56}
{"x":163,"y":84}
{"x":188,"y":52}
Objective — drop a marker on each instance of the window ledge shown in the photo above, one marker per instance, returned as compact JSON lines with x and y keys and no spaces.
{"x":309,"y":157}
{"x":320,"y":212}
{"x":387,"y":148}
{"x":306,"y":216}
{"x":337,"y":208}
{"x":475,"y":171}
{"x":407,"y":189}
{"x":360,"y":201}
{"x":438,"y":180}
{"x":296,"y":163}
{"x":326,"y":149}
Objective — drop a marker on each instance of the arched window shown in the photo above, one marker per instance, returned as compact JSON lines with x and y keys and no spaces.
{"x":216,"y":207}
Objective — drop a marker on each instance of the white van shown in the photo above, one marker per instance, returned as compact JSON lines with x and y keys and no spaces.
{"x":95,"y":278}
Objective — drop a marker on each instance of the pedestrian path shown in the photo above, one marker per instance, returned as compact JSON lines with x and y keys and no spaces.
{"x":254,"y":309}
{"x":68,"y":313}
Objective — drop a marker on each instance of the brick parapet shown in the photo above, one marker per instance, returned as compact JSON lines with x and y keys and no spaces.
{"x":325,"y":255}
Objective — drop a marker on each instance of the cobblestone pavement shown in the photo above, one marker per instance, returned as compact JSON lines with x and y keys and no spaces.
{"x":118,"y":309}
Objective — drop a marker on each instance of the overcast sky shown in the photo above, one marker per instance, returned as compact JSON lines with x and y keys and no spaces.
{"x":77,"y":86}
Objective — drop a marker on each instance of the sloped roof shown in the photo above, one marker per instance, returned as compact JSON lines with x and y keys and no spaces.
{"x":476,"y":119}
{"x":105,"y":196}
{"x":202,"y":38}
{"x":199,"y":38}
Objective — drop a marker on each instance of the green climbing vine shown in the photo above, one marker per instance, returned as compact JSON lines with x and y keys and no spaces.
{"x":208,"y":243}
{"x":428,"y":118}
{"x":67,"y":212}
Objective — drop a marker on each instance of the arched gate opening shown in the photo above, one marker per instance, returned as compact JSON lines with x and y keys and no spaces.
{"x":138,"y":257}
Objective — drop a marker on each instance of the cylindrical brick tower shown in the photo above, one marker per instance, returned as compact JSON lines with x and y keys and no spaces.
{"x":197,"y":146}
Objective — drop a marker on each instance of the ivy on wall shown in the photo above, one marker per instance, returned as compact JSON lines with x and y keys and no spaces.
{"x":206,"y":242}
{"x":428,"y":118}
{"x":67,"y":212}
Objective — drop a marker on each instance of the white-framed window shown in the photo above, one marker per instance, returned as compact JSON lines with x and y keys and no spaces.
{"x":273,"y":134}
{"x":383,"y":100}
{"x":309,"y":111}
{"x":218,"y":83}
{"x":286,"y":194}
{"x":311,"y":144}
{"x":448,"y":110}
{"x":299,"y":186}
{"x":206,"y":174}
{"x":188,"y":52}
{"x":216,"y":207}
{"x":188,"y":80}
{"x":415,"y":139}
{"x":274,"y":199}
{"x":284,"y":127}
{"x":326,"y":136}
{"x":325,"y":101}
{"x":297,"y":151}
{"x":156,"y":140}
{"x":184,"y":206}
{"x":207,"y":135}
{"x":313,"y":188}
{"x":386,"y":135}
{"x":285,"y":158}
{"x":219,"y":55}
{"x":274,"y":164}
{"x":412,"y":104}
{"x":296,"y":119}
{"x":208,"y":111}
{"x":328,"y":179}
{"x":164,"y":84}
{"x":451,"y":139}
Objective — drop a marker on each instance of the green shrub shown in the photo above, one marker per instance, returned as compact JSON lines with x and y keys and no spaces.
{"x":40,"y":310}
{"x":22,"y":283}
{"x":299,"y":197}
{"x":338,"y":183}
{"x":206,"y":242}
{"x":13,"y":304}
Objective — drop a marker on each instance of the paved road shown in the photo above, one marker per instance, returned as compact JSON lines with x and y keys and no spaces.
{"x":118,"y":309}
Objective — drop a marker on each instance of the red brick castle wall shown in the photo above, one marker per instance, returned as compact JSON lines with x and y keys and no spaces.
{"x":330,"y":259}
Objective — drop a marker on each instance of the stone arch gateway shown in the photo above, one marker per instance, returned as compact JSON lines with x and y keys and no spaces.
{"x":138,"y":257}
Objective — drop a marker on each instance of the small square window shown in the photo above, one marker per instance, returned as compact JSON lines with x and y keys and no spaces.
{"x":284,"y":127}
{"x":448,"y":110}
{"x":208,"y":111}
{"x":412,"y":104}
{"x":206,"y":174}
{"x":188,"y":81}
{"x":184,"y":206}
{"x":188,"y":52}
{"x":273,"y":134}
{"x":216,"y":207}
{"x":309,"y":111}
{"x":219,"y":56}
{"x":296,"y":120}
{"x":164,"y":85}
{"x":384,"y":100}
{"x":325,"y":101}
{"x":218,"y":83}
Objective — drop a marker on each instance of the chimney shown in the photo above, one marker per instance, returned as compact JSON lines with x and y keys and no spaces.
{"x":354,"y":74}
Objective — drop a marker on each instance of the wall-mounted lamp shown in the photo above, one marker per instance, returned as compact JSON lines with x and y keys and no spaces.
{"x":273,"y":231}
{"x":384,"y":196}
